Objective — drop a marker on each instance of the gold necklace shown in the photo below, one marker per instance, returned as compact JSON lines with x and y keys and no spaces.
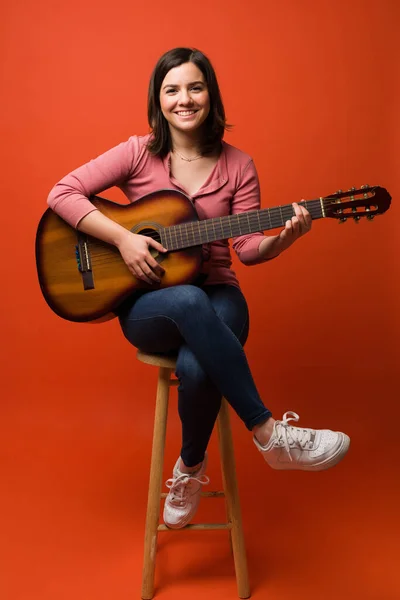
{"x":188,"y":159}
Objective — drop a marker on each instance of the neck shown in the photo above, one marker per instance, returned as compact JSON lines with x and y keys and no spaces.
{"x":188,"y":144}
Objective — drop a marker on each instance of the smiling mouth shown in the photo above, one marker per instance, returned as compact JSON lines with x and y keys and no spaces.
{"x":186,"y":113}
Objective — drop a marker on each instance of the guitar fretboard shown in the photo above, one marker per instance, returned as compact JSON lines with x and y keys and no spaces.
{"x":197,"y":233}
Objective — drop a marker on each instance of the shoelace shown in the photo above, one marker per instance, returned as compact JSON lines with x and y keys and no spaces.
{"x":179,"y":488}
{"x":302,"y":438}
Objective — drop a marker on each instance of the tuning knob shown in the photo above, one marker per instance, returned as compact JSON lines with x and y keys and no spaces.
{"x":342,"y":220}
{"x":356,"y":218}
{"x":364,"y":186}
{"x":370,"y":217}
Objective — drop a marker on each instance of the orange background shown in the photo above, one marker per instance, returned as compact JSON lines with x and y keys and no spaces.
{"x":312,"y":89}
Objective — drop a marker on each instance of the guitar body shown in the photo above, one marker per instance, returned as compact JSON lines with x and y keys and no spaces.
{"x":62,"y":280}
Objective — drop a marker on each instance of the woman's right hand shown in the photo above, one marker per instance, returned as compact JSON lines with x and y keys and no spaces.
{"x":134,"y":249}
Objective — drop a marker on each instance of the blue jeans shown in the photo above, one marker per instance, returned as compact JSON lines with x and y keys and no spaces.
{"x":205,"y":328}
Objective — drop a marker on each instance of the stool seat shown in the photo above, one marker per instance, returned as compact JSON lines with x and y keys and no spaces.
{"x":157,"y":360}
{"x":166,"y":365}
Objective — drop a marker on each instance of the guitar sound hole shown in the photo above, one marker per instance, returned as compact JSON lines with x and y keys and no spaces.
{"x":153,"y":233}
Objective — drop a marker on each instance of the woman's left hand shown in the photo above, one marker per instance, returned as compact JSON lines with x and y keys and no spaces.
{"x":298,"y":225}
{"x":272,"y":245}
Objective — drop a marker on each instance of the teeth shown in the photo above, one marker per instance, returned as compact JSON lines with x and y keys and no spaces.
{"x":185,"y":113}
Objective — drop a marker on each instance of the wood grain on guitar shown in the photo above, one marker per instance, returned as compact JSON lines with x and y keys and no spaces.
{"x":83,"y":279}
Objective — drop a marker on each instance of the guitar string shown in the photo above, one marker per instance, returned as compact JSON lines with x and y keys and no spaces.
{"x":101,"y":258}
{"x":274,"y":222}
{"x":215,"y":222}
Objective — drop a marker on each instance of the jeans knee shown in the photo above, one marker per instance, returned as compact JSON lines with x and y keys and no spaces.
{"x":191,"y":299}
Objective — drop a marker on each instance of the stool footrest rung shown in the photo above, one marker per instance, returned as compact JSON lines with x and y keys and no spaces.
{"x":198,"y":527}
{"x":204,"y":494}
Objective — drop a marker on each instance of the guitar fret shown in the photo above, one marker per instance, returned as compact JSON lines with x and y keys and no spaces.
{"x":168,"y":231}
{"x":192,"y":231}
{"x":176,"y":236}
{"x":163,"y":237}
{"x":184,"y":231}
{"x":238,"y":222}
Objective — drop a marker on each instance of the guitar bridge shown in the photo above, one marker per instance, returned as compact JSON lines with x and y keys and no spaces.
{"x":82,"y":253}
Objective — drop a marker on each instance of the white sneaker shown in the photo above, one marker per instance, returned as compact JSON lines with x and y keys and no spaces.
{"x":184,"y":495}
{"x":305,"y":449}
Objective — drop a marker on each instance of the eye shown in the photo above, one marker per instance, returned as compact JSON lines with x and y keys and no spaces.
{"x":197,"y":88}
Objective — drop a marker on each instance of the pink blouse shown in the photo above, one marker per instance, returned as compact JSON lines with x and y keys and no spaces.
{"x":231,"y":188}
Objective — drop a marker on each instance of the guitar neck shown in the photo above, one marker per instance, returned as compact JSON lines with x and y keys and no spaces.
{"x":196,"y":233}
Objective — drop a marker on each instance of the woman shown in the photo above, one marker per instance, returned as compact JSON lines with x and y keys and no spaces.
{"x":205,"y":326}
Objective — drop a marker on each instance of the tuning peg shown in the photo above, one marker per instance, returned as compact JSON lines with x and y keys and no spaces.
{"x":342,"y":220}
{"x":356,"y":218}
{"x":364,"y":186}
{"x":370,"y":217}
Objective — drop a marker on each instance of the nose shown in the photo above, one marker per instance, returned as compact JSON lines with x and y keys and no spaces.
{"x":185,"y":98}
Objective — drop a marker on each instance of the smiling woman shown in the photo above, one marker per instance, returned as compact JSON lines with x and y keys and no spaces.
{"x":205,"y":327}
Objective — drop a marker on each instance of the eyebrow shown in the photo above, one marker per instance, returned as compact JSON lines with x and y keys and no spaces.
{"x":174,"y":85}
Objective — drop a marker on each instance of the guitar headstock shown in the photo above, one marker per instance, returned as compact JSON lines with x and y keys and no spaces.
{"x":367,"y":201}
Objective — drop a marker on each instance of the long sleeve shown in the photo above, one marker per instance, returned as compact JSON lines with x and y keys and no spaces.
{"x":247,"y":197}
{"x":69,"y":198}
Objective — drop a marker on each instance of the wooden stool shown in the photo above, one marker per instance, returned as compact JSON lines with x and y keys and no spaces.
{"x":234,"y":520}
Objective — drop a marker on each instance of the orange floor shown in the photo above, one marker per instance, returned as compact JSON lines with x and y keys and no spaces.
{"x":73,"y":494}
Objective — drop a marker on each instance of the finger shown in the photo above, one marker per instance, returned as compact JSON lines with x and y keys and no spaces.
{"x":298,"y":210}
{"x":289,"y":225}
{"x":149,"y":273}
{"x":153,"y":264}
{"x":296,"y":226}
{"x":155,"y":244}
{"x":140,"y":274}
{"x":307,"y":217}
{"x":304,"y":210}
{"x":287,"y":231}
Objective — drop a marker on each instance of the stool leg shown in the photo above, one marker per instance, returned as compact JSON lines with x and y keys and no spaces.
{"x":156,"y":469}
{"x":232,"y":500}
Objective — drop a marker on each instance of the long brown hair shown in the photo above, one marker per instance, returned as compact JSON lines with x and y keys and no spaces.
{"x":214,"y":125}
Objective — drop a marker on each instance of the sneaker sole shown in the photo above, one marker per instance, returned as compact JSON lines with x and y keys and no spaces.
{"x":322,"y":466}
{"x":176,"y":526}
{"x":183,"y":523}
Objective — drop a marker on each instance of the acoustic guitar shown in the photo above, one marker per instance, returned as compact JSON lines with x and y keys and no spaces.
{"x":84,"y":279}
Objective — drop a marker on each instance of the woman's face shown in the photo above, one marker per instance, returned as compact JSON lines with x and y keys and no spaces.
{"x":184,"y":98}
